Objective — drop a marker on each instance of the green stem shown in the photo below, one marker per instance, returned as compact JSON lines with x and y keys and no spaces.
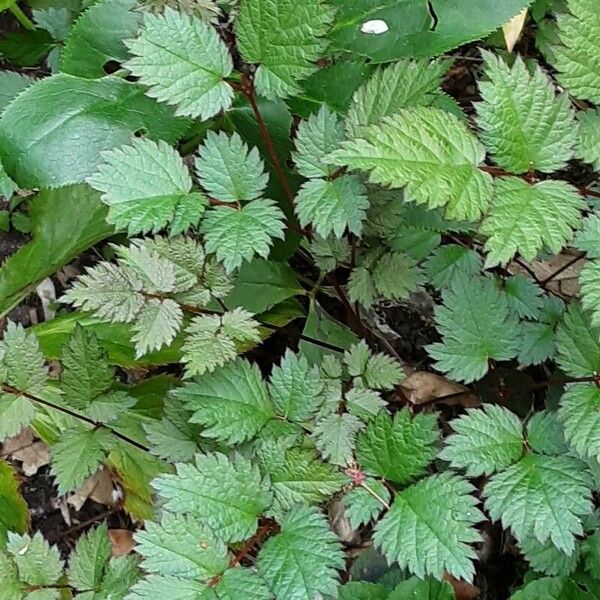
{"x":21,"y":17}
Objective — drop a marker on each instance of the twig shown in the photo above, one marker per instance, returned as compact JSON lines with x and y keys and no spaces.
{"x":374,"y":494}
{"x":562,"y":268}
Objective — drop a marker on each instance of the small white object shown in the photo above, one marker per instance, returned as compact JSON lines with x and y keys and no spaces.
{"x":375,"y":26}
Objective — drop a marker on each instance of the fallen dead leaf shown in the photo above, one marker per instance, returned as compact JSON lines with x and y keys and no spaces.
{"x":122,"y":541}
{"x":99,"y":488}
{"x":24,"y":447}
{"x":513,"y":29}
{"x":427,"y":388}
{"x":462,"y":589}
{"x":341,"y":525}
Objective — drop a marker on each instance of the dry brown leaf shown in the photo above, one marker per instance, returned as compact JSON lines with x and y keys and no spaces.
{"x":512,"y":30}
{"x":121,"y":540}
{"x":424,"y":388}
{"x":341,"y":525}
{"x":462,"y":589}
{"x":99,"y":488}
{"x":24,"y":447}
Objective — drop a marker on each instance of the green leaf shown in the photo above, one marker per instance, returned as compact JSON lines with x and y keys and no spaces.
{"x":157,"y":586}
{"x":364,"y":403}
{"x":589,"y":280}
{"x":361,"y":506}
{"x":525,"y":126}
{"x":546,"y":558}
{"x":437,"y":513}
{"x":56,"y":240}
{"x":484,"y":441}
{"x":228,"y":170}
{"x":335,"y":437}
{"x":545,"y":434}
{"x":89,"y":560}
{"x":181,"y":547}
{"x":232,"y":403}
{"x":576,"y":59}
{"x":399,"y":449}
{"x":588,"y":238}
{"x":578,"y":344}
{"x":143,"y":185}
{"x":211,"y":340}
{"x":9,"y":579}
{"x":396,"y":275}
{"x":446,"y":262}
{"x":407,"y":83}
{"x":412,"y":30}
{"x":552,"y":588}
{"x":428,"y":152}
{"x":77,"y":455}
{"x":524,"y":296}
{"x":301,"y":561}
{"x":26,"y":48}
{"x":579,"y":414}
{"x":589,"y":134}
{"x":284,"y":38}
{"x":363,"y":590}
{"x":14,"y":515}
{"x":37,"y":562}
{"x":41,"y":139}
{"x":527,"y":218}
{"x":226,"y":494}
{"x":299,"y":477}
{"x":156,"y":325}
{"x":377,"y":371}
{"x":11,"y":85}
{"x":97,"y":37}
{"x":417,"y":588}
{"x":295,"y":388}
{"x":476,"y":325}
{"x":559,"y":488}
{"x":237,"y":235}
{"x":184,"y":62}
{"x":56,"y":21}
{"x":332,"y":206}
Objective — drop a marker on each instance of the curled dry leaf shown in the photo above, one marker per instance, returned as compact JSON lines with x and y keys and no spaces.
{"x":24,"y":447}
{"x":462,"y":589}
{"x":99,"y":488}
{"x":341,"y":525}
{"x":513,"y":29}
{"x":121,"y":540}
{"x":424,"y":388}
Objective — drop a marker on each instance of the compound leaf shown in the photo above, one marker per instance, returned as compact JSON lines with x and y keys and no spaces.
{"x":579,"y":414}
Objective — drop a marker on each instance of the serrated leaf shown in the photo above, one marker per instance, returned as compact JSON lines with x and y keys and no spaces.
{"x":211,"y":340}
{"x":295,"y":387}
{"x":41,"y":140}
{"x":588,"y":238}
{"x":143,"y":184}
{"x":546,"y":558}
{"x":232,"y":403}
{"x":285,"y":39}
{"x":237,"y":235}
{"x":181,"y":547}
{"x":559,"y":488}
{"x":579,"y":414}
{"x":158,"y":586}
{"x":361,"y":506}
{"x":525,"y":126}
{"x":77,"y":455}
{"x":484,"y":441}
{"x":301,"y":561}
{"x":156,"y":325}
{"x":428,"y":152}
{"x":16,"y":412}
{"x":55,"y":20}
{"x":37,"y":562}
{"x":589,"y":134}
{"x":170,"y":442}
{"x":377,"y":371}
{"x":429,"y":528}
{"x":545,"y":434}
{"x":364,"y":403}
{"x":446,"y":262}
{"x":335,"y":437}
{"x":88,"y":561}
{"x":363,"y":590}
{"x":399,"y":449}
{"x":551,"y":588}
{"x":11,"y":85}
{"x":9,"y":579}
{"x":14,"y":515}
{"x":417,"y":588}
{"x":403,"y":84}
{"x":524,"y":296}
{"x":316,"y":137}
{"x":396,"y":276}
{"x":576,"y":59}
{"x":537,"y":342}
{"x":361,"y":287}
{"x":228,"y":170}
{"x":526,"y":218}
{"x":332,"y":206}
{"x":227,"y":494}
{"x":184,"y":63}
{"x":577,"y":344}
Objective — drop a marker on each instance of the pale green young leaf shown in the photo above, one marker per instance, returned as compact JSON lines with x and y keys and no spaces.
{"x":37,"y":562}
{"x":428,"y":152}
{"x":403,"y":84}
{"x":184,"y":62}
{"x":476,"y":325}
{"x":89,"y":559}
{"x":589,"y":134}
{"x":577,"y":344}
{"x":579,"y":414}
{"x":377,"y":371}
{"x":332,"y":206}
{"x":165,"y":586}
{"x":558,"y":486}
{"x":527,"y":218}
{"x":398,"y":448}
{"x":523,"y":123}
{"x":143,"y":185}
{"x":547,"y":558}
{"x":588,"y":237}
{"x":211,"y":340}
{"x":364,"y":403}
{"x":361,"y":287}
{"x":16,"y":412}
{"x":9,"y":579}
{"x":182,"y":547}
{"x":484,"y":441}
{"x":429,"y":528}
{"x":524,"y":296}
{"x":445,"y":262}
{"x":299,"y":477}
{"x":11,"y":85}
{"x":238,"y":235}
{"x":228,"y":170}
{"x":576,"y":59}
{"x":362,"y":506}
{"x":317,"y":136}
{"x":231,"y":403}
{"x":295,"y":387}
{"x":285,"y":39}
{"x":77,"y":455}
{"x":156,"y":272}
{"x":335,"y":437}
{"x":156,"y":325}
{"x":396,"y":275}
{"x":228,"y":494}
{"x":545,"y":434}
{"x":302,"y":561}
